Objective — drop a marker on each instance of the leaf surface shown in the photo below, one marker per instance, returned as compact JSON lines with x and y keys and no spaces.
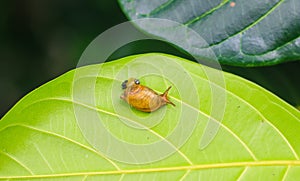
{"x":243,"y":33}
{"x":51,"y":133}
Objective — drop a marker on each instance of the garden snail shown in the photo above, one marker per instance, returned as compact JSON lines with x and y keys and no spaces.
{"x":143,"y":98}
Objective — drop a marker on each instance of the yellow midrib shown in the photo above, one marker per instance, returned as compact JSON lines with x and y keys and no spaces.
{"x":166,"y":169}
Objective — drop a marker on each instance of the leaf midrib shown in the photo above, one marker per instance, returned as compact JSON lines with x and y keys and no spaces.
{"x":288,"y":163}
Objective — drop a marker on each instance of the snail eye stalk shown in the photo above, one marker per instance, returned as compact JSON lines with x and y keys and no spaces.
{"x":124,"y":86}
{"x":136,"y":81}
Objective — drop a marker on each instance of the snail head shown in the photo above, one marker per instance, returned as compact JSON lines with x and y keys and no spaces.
{"x":130,"y":82}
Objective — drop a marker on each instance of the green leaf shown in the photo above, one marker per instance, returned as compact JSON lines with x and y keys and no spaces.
{"x":281,"y":79}
{"x":243,"y":33}
{"x":52,"y":133}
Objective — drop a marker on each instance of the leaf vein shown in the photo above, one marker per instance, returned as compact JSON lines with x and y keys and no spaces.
{"x":243,"y":173}
{"x":64,"y":138}
{"x":185,"y":175}
{"x":206,"y":115}
{"x":286,"y":173}
{"x":190,"y":22}
{"x":167,"y":169}
{"x":43,"y":157}
{"x":161,"y":7}
{"x":115,"y":115}
{"x":17,"y":161}
{"x":250,"y":25}
{"x":259,"y":113}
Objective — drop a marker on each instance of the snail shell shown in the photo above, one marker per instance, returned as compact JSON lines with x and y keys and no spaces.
{"x":143,"y":98}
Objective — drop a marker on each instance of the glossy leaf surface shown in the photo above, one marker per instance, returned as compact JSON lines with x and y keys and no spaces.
{"x":47,"y":134}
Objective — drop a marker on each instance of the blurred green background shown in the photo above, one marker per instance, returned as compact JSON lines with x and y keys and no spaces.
{"x":41,"y":40}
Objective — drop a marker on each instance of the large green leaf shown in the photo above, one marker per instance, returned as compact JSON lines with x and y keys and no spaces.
{"x":52,"y":132}
{"x":244,"y":33}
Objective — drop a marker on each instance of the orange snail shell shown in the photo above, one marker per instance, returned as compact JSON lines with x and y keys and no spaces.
{"x":143,"y":98}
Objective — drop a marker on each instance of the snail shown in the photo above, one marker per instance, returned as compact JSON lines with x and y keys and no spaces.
{"x":143,"y":98}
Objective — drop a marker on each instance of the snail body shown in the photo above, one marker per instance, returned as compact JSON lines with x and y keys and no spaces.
{"x":143,"y":98}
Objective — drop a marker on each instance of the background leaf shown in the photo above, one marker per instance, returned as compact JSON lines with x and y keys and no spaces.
{"x":243,"y":33}
{"x":38,"y":45}
{"x":40,"y":137}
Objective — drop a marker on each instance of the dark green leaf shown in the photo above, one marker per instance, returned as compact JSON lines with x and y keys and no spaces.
{"x":243,"y":33}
